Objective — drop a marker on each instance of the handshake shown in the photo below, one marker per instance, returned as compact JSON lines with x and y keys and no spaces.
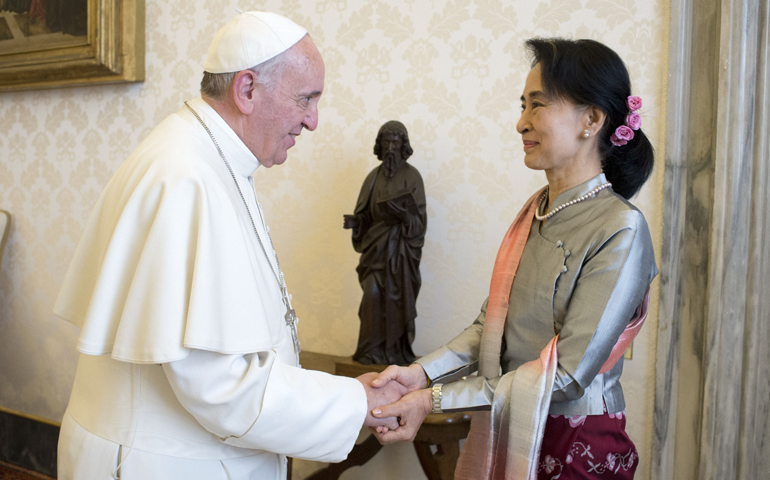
{"x":398,"y":402}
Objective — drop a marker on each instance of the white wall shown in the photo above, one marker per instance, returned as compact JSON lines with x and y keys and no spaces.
{"x":451,"y":71}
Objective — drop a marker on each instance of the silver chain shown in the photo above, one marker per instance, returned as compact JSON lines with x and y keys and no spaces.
{"x":253,"y":225}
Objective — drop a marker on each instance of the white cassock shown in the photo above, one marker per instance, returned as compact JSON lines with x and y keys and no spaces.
{"x":187,"y":366}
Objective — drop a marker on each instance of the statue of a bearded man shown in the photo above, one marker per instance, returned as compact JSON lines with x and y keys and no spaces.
{"x":388,"y":231}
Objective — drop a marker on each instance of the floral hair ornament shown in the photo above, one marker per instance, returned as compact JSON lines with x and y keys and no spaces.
{"x":624,"y":133}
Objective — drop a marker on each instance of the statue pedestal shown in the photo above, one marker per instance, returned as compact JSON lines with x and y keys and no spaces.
{"x":444,"y":430}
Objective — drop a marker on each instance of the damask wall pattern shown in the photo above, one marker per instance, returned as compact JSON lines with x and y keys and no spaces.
{"x":452,"y":71}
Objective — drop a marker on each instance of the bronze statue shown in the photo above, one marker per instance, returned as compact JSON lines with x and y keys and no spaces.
{"x":388,"y":231}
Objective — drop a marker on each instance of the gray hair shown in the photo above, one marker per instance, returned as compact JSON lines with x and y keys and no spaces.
{"x":216,"y":85}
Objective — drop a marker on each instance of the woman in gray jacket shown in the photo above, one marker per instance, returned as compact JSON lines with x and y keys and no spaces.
{"x":586,"y":265}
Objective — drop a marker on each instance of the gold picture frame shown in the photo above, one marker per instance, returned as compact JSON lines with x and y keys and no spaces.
{"x":106,"y":45}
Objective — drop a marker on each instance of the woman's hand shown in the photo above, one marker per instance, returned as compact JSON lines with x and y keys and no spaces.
{"x":411,"y":411}
{"x":412,"y":377}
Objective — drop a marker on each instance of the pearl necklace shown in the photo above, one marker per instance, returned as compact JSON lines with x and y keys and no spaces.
{"x":571,"y":202}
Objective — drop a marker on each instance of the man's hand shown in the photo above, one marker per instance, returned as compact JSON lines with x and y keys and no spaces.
{"x":412,"y":377}
{"x":350,"y":221}
{"x":411,"y":410}
{"x":377,"y":396}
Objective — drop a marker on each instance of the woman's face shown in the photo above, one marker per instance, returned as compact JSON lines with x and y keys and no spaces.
{"x":551,"y":129}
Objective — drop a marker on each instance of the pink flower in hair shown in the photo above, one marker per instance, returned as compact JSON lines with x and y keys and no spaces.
{"x":634,"y":121}
{"x":634,"y":103}
{"x":618,"y":142}
{"x":623,"y":132}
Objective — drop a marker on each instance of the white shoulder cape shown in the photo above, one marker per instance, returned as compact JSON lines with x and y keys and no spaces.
{"x":168,"y":261}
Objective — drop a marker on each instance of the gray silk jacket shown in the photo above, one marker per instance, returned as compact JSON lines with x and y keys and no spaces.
{"x":581,"y":276}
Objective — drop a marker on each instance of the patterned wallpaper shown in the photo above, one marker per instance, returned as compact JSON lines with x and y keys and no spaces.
{"x":451,"y":71}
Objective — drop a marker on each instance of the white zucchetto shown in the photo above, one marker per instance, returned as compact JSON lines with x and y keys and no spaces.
{"x":250,"y":39}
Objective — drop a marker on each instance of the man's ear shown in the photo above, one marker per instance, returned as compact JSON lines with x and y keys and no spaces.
{"x":244,"y":91}
{"x":595,"y":119}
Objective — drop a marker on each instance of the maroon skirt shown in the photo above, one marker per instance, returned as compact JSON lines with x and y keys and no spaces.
{"x":583,"y":447}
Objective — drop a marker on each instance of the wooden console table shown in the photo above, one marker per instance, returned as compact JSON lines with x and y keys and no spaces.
{"x":444,"y":430}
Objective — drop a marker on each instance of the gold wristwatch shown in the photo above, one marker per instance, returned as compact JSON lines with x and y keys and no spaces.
{"x":436,"y":394}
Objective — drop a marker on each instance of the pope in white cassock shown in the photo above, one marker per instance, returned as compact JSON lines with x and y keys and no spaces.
{"x":189,"y":355}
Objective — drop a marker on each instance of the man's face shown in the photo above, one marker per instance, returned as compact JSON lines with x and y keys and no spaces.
{"x":390,"y":146}
{"x":390,"y":152}
{"x":288,"y":106}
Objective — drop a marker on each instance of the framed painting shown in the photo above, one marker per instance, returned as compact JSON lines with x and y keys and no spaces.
{"x":54,"y":43}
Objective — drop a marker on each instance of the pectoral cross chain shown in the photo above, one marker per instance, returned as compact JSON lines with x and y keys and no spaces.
{"x":291,"y":321}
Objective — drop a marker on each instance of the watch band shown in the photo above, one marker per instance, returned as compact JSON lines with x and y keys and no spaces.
{"x":436,"y":394}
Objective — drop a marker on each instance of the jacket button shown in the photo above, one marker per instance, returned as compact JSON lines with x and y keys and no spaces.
{"x":559,"y":244}
{"x":564,"y":269}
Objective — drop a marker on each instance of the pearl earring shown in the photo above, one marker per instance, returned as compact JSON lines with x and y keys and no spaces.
{"x":586,"y":134}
